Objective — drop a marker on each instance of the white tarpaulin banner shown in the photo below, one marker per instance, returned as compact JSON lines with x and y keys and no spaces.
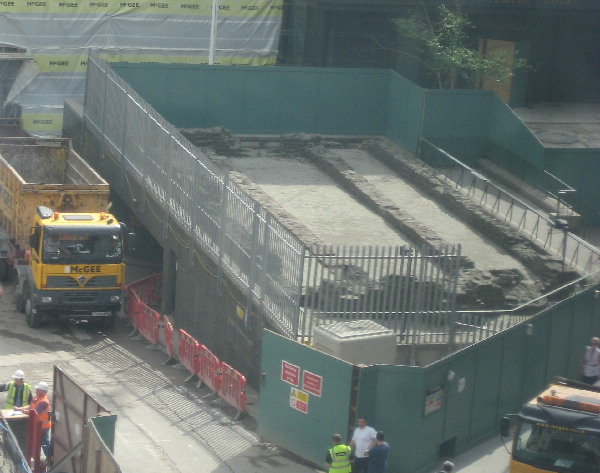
{"x":57,"y":36}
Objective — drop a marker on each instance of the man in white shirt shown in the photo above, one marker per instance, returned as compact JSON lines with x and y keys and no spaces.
{"x":590,"y":362}
{"x":363,"y":439}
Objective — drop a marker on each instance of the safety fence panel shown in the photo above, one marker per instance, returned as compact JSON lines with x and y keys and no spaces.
{"x":208,"y":369}
{"x":168,"y":336}
{"x":219,"y":377}
{"x":189,"y":349}
{"x":34,"y":442}
{"x":140,"y":294}
{"x":148,"y":320}
{"x":132,"y":306}
{"x":193,"y":201}
{"x":233,"y":388}
{"x":148,"y":289}
{"x":408,"y":290}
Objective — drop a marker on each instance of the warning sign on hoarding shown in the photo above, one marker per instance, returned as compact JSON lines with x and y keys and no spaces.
{"x":290,"y":373}
{"x":312,"y":383}
{"x":434,"y":399}
{"x":299,"y":400}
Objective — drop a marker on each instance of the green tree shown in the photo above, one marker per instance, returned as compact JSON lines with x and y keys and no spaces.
{"x":443,"y":45}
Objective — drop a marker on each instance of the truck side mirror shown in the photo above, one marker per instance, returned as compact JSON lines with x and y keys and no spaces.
{"x":32,"y":241}
{"x":505,"y":426}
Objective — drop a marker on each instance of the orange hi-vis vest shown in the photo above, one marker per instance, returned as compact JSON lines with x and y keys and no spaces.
{"x":44,"y":416}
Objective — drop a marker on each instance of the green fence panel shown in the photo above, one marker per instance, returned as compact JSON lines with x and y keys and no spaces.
{"x":578,"y":167}
{"x":395,"y":406}
{"x":269,"y":100}
{"x":405,"y":112}
{"x":460,"y":397}
{"x":535,"y":351}
{"x":458,"y":121}
{"x":508,"y":131}
{"x":487,"y":389}
{"x":291,"y":413}
{"x":105,"y":425}
{"x":512,"y":373}
{"x":579,"y":318}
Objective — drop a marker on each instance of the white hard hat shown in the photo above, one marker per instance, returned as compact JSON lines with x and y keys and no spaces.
{"x":42,"y":386}
{"x":19,"y":374}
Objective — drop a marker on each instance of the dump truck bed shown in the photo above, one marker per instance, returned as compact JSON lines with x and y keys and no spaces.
{"x":36,"y":171}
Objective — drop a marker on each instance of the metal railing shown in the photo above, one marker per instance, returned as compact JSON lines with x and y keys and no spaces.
{"x":297,"y":288}
{"x":193,"y":195}
{"x":551,"y":235}
{"x":404,"y":289}
{"x":474,"y":326}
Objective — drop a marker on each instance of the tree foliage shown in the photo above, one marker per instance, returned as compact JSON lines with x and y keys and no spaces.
{"x":443,"y":45}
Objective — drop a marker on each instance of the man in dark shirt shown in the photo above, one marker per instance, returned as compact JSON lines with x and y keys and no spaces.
{"x":19,"y":392}
{"x":378,"y":454}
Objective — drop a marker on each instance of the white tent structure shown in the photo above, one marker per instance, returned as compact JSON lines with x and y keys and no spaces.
{"x":58,"y":35}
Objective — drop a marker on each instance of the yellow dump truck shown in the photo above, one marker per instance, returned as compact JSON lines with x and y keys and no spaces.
{"x":59,"y":243}
{"x":558,"y":430}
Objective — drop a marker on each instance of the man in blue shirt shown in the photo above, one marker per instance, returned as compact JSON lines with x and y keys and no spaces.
{"x":378,"y":454}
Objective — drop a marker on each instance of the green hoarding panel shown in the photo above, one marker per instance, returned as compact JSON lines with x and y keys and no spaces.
{"x":487,"y":388}
{"x":304,"y":397}
{"x":105,"y":425}
{"x":256,"y":100}
{"x":395,"y":405}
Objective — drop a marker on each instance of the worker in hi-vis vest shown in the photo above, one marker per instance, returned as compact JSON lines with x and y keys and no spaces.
{"x":41,"y":405}
{"x":18,"y":391}
{"x":339,"y":457}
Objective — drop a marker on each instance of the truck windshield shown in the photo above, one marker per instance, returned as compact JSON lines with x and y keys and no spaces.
{"x":556,"y":448}
{"x":81,"y":247}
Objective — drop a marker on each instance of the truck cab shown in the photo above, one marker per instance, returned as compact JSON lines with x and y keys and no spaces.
{"x":558,"y":431}
{"x":75,"y":267}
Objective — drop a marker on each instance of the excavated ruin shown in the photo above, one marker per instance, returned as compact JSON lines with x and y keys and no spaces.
{"x":501,"y":288}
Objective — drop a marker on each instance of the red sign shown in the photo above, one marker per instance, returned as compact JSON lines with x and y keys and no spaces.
{"x":290,"y":373}
{"x":299,"y":405}
{"x":302,"y":407}
{"x":312,"y":383}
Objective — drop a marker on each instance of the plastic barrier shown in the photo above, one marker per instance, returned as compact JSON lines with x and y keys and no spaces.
{"x":233,"y":388}
{"x":168,"y":336}
{"x":148,"y":288}
{"x":208,"y":369}
{"x":34,"y":442}
{"x":219,"y":377}
{"x":188,"y":351}
{"x":132,"y":307}
{"x":148,"y":321}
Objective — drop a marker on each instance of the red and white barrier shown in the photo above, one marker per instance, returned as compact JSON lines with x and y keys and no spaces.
{"x":228,"y":383}
{"x":189,"y":349}
{"x":208,"y":369}
{"x":233,"y":388}
{"x":168,"y":336}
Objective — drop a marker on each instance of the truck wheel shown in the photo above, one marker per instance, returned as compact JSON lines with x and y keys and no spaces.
{"x":20,"y":302}
{"x":33,"y":320}
{"x":4,"y":271}
{"x":20,"y":299}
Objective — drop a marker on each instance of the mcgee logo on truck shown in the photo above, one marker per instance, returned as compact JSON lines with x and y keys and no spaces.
{"x":88,"y":268}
